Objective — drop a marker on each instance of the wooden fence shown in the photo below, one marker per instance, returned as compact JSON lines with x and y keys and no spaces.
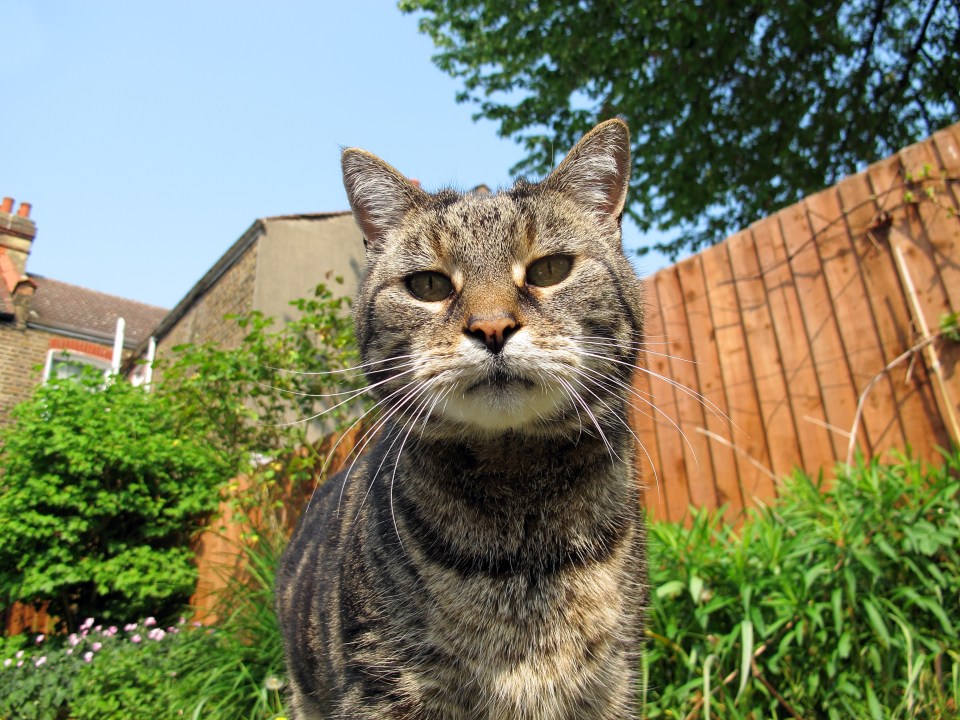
{"x":761,"y":349}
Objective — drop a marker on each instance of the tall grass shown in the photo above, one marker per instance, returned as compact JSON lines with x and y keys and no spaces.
{"x":241,"y":673}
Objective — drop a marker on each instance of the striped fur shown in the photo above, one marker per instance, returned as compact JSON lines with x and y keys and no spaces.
{"x":485,"y":560}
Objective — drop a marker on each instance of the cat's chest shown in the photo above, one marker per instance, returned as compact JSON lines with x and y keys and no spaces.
{"x":521,"y":642}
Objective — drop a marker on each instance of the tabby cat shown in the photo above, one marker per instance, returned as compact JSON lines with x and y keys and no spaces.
{"x":486,"y":558}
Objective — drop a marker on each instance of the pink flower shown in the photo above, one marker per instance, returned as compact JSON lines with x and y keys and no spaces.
{"x":87,"y":624}
{"x":150,"y":621}
{"x":87,"y":656}
{"x":136,"y":639}
{"x":19,"y":654}
{"x":19,"y":663}
{"x":73,"y":639}
{"x":96,"y":646}
{"x":156,"y":634}
{"x":8,"y":662}
{"x":111,"y":631}
{"x":69,"y":651}
{"x":182,"y":620}
{"x":41,"y":660}
{"x":40,"y":638}
{"x":129,"y":627}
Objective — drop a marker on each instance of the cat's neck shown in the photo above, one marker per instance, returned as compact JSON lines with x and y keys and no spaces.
{"x":518,"y":467}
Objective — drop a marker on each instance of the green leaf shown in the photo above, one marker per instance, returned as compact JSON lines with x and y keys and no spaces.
{"x":746,"y":656}
{"x":670,"y":590}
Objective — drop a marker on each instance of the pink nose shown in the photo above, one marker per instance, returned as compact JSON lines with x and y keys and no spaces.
{"x":492,"y":331}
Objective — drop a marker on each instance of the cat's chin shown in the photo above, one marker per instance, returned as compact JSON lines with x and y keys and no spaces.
{"x":521,"y":407}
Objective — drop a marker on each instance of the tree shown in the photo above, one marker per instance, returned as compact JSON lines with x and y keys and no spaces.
{"x":736,"y":109}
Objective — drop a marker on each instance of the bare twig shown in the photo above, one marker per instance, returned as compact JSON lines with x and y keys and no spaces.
{"x":723,"y":441}
{"x":772,"y":690}
{"x":858,"y":415}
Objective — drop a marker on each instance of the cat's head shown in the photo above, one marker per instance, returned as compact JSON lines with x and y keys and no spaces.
{"x":492,"y":313}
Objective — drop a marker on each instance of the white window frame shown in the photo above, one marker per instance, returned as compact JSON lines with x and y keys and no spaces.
{"x":73,"y":356}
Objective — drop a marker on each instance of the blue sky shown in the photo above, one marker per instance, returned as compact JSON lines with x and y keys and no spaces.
{"x":149,"y":136}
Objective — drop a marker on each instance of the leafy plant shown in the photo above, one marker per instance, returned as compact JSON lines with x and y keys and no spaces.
{"x":263,"y":400}
{"x":99,"y":672}
{"x":836,"y":602}
{"x":101,"y":490}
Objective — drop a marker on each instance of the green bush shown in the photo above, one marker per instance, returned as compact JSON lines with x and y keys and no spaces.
{"x":101,"y":490}
{"x":837,"y":602}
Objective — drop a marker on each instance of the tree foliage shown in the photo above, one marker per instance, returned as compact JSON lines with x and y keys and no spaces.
{"x":736,"y":109}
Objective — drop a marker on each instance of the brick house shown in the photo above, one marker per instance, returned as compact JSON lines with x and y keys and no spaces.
{"x":49,"y":327}
{"x":278,"y":259}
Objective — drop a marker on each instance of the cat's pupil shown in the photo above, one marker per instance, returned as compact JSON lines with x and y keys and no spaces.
{"x":429,"y":286}
{"x":549,"y":270}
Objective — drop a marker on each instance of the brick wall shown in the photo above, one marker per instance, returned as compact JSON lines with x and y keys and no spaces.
{"x":20,"y":352}
{"x":203,"y":322}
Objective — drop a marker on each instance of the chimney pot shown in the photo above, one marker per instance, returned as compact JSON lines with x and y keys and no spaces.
{"x":24,"y":210}
{"x":7,"y":205}
{"x":415,"y":182}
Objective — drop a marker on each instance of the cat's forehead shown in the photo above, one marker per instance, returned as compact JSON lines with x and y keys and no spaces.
{"x":482,"y":229}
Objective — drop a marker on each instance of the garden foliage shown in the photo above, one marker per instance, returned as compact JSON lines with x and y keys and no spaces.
{"x":101,"y":489}
{"x":103,"y":486}
{"x":835,"y":602}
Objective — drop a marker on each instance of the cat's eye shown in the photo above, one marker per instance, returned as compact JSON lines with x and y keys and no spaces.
{"x":429,"y":286}
{"x":549,"y":270}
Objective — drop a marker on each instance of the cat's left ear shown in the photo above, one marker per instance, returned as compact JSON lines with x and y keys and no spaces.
{"x":596,"y":173}
{"x":380,"y":196}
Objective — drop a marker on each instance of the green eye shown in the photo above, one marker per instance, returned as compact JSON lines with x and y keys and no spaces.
{"x":429,"y":286}
{"x":549,"y":270}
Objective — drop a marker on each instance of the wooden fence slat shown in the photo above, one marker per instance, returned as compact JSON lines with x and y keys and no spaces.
{"x":887,"y":304}
{"x":741,"y":393}
{"x":697,"y":462}
{"x":820,"y":325}
{"x":776,"y":417}
{"x":673,"y":471}
{"x":939,"y":232}
{"x":648,"y":458}
{"x":906,"y":238}
{"x":703,"y":346}
{"x":672,"y":496}
{"x":803,"y":389}
{"x":849,"y":301}
{"x":939,"y":236}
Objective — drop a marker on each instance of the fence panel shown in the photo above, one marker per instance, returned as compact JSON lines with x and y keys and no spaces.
{"x":789,"y":327}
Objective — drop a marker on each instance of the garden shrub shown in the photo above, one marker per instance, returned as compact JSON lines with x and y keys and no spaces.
{"x":99,"y":672}
{"x":837,"y":602}
{"x":102,"y":488}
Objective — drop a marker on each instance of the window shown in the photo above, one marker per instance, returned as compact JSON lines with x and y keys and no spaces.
{"x":66,"y":364}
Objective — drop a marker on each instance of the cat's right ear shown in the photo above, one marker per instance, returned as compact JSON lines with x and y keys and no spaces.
{"x":379,"y":195}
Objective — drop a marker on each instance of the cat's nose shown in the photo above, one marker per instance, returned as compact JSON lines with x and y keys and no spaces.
{"x":492,"y":331}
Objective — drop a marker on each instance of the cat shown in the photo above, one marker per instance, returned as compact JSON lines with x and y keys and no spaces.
{"x":486,"y":559}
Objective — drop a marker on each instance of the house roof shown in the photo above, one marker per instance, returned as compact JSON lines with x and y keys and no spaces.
{"x":226,"y":261}
{"x":89,"y":314}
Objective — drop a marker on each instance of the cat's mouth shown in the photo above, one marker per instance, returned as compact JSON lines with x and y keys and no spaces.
{"x":500,"y":379}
